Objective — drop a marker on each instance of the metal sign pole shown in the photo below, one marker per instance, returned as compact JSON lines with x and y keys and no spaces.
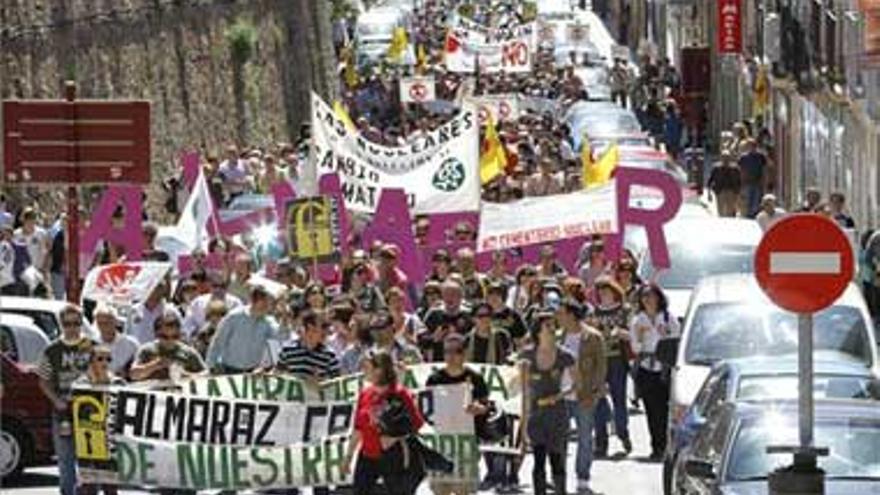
{"x":805,"y":385}
{"x":73,"y":206}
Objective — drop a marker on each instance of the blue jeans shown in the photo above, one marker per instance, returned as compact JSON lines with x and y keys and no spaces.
{"x":616,"y":379}
{"x":753,"y":194}
{"x":66,"y":455}
{"x":583,"y":418}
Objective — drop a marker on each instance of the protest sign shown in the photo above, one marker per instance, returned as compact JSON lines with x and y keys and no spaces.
{"x":548,"y":218}
{"x":417,"y":90}
{"x":498,"y":108}
{"x":313,"y":233}
{"x":124,"y":283}
{"x":103,"y":227}
{"x":437,"y":170}
{"x":196,"y":442}
{"x":469,"y":51}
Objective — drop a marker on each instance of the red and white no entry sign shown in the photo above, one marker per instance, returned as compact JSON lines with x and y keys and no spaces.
{"x":418,"y":91}
{"x":804,"y":263}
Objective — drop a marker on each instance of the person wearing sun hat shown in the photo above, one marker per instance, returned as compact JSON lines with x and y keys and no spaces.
{"x":611,"y":317}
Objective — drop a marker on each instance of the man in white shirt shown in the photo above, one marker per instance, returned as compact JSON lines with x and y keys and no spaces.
{"x":36,"y":239}
{"x":195,"y":315}
{"x":769,"y":213}
{"x":122,"y":347}
{"x":234,"y":172}
{"x":140,"y":321}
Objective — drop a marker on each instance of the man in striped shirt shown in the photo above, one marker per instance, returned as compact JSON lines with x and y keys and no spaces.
{"x":309,"y":357}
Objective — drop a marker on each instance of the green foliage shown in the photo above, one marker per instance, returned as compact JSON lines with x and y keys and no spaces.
{"x":242,"y":40}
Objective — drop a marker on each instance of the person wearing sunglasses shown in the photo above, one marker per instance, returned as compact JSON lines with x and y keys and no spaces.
{"x":60,"y":364}
{"x":166,"y":358}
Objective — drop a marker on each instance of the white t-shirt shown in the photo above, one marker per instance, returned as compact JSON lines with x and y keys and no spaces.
{"x":141,"y":319}
{"x":37,"y":244}
{"x":572,"y":343}
{"x":195,"y":315}
{"x":122,"y":351}
{"x":645,"y":344}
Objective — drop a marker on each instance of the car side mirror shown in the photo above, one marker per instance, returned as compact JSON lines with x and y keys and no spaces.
{"x":667,"y":350}
{"x":699,"y":469}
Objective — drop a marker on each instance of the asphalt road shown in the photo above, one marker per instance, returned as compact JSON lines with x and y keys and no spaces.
{"x":629,"y":475}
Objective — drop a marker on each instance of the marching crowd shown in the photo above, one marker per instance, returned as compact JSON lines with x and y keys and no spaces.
{"x":580,"y":338}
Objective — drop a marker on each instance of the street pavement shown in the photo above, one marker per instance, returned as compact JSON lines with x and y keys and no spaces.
{"x":630,"y":475}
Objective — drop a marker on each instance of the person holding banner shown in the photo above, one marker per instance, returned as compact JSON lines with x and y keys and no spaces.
{"x":243,"y":336}
{"x":166,"y":358}
{"x":455,"y":371}
{"x":547,"y":417}
{"x":99,"y":374}
{"x":61,"y":363}
{"x":381,"y":456}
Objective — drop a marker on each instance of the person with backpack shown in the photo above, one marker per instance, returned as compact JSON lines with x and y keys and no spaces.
{"x":651,"y":323}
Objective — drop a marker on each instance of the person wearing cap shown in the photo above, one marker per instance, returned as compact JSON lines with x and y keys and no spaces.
{"x":390,"y":274}
{"x":546,"y":417}
{"x":143,"y":315}
{"x":588,"y":347}
{"x":243,"y":335}
{"x":454,"y":372}
{"x":611,"y":317}
{"x":473,"y":283}
{"x":770,"y":213}
{"x":166,"y":357}
{"x":453,"y":316}
{"x":122,"y":347}
{"x":196,"y":311}
{"x":382,"y":335}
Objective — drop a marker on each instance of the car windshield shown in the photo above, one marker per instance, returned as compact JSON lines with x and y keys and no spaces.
{"x":764,"y":387}
{"x":694,"y":261}
{"x":737,"y":330}
{"x":852,"y":444}
{"x":375,"y":29}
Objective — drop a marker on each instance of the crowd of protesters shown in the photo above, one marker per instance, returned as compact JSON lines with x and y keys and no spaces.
{"x":578,"y":337}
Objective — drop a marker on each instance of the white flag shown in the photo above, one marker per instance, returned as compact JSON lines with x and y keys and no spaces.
{"x":192,"y":227}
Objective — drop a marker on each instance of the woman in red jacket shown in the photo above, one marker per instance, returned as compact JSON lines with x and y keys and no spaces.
{"x":381,"y":455}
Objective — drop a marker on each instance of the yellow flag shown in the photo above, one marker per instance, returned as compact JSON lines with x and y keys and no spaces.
{"x":493,"y":159}
{"x":342,"y":114}
{"x":761,"y":92}
{"x":399,"y":42}
{"x":586,"y":160}
{"x":599,"y":172}
{"x":421,"y":60}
